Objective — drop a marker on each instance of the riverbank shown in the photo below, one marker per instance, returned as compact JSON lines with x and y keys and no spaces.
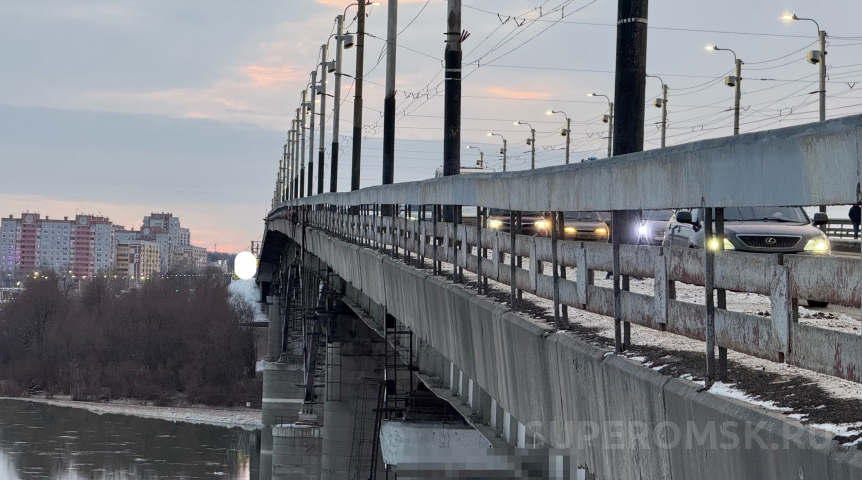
{"x":246,"y":418}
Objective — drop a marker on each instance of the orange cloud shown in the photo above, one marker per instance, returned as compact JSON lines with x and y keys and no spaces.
{"x":270,"y":75}
{"x":520,"y":94}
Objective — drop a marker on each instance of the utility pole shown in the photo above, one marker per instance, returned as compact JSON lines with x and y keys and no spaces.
{"x":389,"y":101}
{"x":627,"y":136}
{"x":611,"y":130}
{"x":296,"y":154}
{"x":311,"y":102}
{"x":302,"y":149}
{"x":663,"y":114}
{"x":533,"y":146}
{"x":737,"y":96}
{"x":568,"y":137}
{"x":336,"y":107}
{"x":502,"y":150}
{"x":284,"y":158}
{"x":452,"y":105}
{"x":357,"y":101}
{"x":324,"y":49}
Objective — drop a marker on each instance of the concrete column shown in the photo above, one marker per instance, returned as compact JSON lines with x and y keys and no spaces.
{"x":296,"y":452}
{"x":275,"y":325}
{"x":483,"y":405}
{"x":496,"y":418}
{"x":463,"y":387}
{"x":282,"y":398}
{"x":361,"y":357}
{"x":510,"y":429}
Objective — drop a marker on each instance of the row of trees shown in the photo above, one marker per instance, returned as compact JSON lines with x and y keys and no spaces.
{"x":172,"y":337}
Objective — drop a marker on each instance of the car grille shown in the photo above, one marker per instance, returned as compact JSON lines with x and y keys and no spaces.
{"x":769,"y":241}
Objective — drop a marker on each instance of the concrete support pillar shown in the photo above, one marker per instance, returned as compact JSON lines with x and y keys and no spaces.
{"x":497,"y":418}
{"x":275,"y":326}
{"x":510,"y":429}
{"x":449,"y":378}
{"x":483,"y":405}
{"x":296,"y":452}
{"x":361,"y":357}
{"x":463,"y":387}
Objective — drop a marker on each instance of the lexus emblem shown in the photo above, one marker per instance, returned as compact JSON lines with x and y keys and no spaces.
{"x":771,"y":241}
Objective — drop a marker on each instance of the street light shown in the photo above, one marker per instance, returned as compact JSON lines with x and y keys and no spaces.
{"x":817,"y":57}
{"x":566,"y":132}
{"x":662,"y":104}
{"x":609,"y":119}
{"x":481,"y":163}
{"x":531,"y":142}
{"x":733,"y":81}
{"x":502,"y":150}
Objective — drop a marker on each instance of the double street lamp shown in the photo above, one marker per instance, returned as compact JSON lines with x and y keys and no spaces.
{"x":531,"y":142}
{"x":481,"y":163}
{"x":609,"y":119}
{"x":502,"y":150}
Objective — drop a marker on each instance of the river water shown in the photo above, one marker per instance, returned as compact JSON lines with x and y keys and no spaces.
{"x":44,"y":441}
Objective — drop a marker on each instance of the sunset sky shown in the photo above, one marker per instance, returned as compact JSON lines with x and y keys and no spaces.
{"x":124,"y":108}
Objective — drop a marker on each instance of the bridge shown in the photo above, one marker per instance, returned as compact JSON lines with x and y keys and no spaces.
{"x":385,"y":328}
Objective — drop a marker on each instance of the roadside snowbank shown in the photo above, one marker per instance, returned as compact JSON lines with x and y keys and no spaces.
{"x":246,"y":418}
{"x":247,"y":291}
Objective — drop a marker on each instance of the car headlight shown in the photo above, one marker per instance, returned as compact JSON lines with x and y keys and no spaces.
{"x":643,"y":230}
{"x":713,"y":244}
{"x":543,"y":224}
{"x":818,"y":245}
{"x":602,"y":231}
{"x":570,"y":230}
{"x":495,"y":224}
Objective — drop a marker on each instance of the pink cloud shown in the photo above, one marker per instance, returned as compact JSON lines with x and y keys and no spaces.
{"x":262,"y":75}
{"x":514,"y":93}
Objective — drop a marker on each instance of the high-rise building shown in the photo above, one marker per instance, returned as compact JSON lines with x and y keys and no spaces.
{"x":30,"y":243}
{"x":164,"y":229}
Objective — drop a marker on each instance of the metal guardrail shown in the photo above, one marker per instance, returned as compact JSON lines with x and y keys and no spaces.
{"x":814,"y":164}
{"x":783,"y":278}
{"x":839,"y":228}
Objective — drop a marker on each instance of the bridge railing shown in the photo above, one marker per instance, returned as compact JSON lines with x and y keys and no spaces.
{"x":786,"y":167}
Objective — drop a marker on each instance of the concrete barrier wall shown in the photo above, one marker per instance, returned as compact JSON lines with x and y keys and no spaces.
{"x":619,"y":417}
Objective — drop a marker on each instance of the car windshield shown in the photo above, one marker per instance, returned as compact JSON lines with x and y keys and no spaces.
{"x":657,"y":215}
{"x":584,"y":216}
{"x":767,"y":214}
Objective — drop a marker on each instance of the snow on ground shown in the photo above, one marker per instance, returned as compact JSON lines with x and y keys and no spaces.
{"x":247,"y":290}
{"x":246,"y":418}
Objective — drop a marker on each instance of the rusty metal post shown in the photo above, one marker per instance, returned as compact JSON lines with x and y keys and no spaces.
{"x":512,"y":289}
{"x":709,"y":285}
{"x":720,"y":293}
{"x":617,"y":225}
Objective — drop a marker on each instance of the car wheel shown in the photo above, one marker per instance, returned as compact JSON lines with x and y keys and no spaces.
{"x":817,"y":304}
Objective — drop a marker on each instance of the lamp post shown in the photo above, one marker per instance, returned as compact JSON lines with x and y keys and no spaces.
{"x":609,"y":119}
{"x":733,"y":81}
{"x":503,"y":150}
{"x":567,"y":132}
{"x":531,"y":142}
{"x":662,"y":104}
{"x":481,"y":163}
{"x":817,"y":57}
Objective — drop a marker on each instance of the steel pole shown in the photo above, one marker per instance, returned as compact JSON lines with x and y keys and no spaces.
{"x":357,"y":99}
{"x":452,"y":105}
{"x":533,"y":149}
{"x":822,"y":76}
{"x":663,"y":114}
{"x":336,"y":107}
{"x":312,"y":101}
{"x":505,"y":153}
{"x":324,"y":50}
{"x":568,"y":137}
{"x":301,"y":179}
{"x":610,"y":129}
{"x":389,"y":100}
{"x":737,"y":96}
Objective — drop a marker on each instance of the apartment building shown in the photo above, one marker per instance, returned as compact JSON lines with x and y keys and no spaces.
{"x":137,"y":259}
{"x":189,"y":257}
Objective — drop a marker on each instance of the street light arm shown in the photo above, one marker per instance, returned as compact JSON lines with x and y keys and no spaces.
{"x":716,"y":48}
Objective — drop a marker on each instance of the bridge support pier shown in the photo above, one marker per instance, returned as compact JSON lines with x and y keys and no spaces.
{"x":275,"y":327}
